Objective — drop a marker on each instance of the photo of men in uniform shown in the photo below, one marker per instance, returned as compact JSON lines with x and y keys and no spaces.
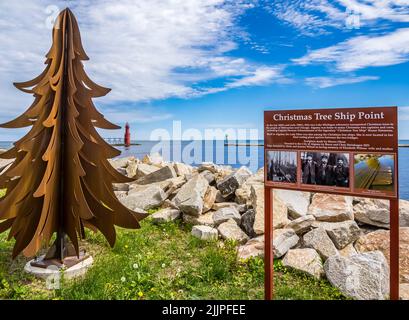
{"x":281,"y":166}
{"x":309,"y":170}
{"x":341,"y":174}
{"x":325,"y":175}
{"x":325,"y":169}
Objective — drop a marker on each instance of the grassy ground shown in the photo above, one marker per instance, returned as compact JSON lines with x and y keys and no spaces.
{"x":160,"y":262}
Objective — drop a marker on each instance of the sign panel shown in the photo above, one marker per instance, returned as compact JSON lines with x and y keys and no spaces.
{"x":341,"y":151}
{"x":345,"y":151}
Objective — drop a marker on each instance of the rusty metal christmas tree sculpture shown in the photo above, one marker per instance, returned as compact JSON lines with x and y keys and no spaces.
{"x":61,"y":180}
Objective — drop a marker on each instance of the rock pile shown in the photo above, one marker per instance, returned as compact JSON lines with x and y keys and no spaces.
{"x":4,"y":163}
{"x":342,"y":238}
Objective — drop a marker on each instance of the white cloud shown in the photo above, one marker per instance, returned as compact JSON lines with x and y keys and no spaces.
{"x":363,"y":51}
{"x":392,"y":10}
{"x":326,"y":82}
{"x":143,"y":50}
{"x":316,"y":17}
{"x":260,"y":76}
{"x":311,"y":18}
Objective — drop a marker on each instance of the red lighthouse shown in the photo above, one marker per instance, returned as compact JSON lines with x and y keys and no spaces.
{"x":127,"y":139}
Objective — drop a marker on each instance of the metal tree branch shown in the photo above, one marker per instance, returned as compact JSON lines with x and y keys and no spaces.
{"x":61,"y":180}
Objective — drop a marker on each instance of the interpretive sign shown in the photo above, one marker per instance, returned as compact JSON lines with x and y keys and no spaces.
{"x":351,"y":151}
{"x":342,"y":151}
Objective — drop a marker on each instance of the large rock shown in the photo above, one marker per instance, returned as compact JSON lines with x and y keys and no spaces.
{"x":331,"y":208}
{"x":374,"y":212}
{"x":283,"y":240}
{"x":239,"y":207}
{"x":120,"y":170}
{"x":169,"y":204}
{"x":121,"y":162}
{"x":5,"y":164}
{"x":348,"y":251}
{"x":165,"y":215}
{"x":244,"y":192}
{"x":148,"y":198}
{"x":305,"y":260}
{"x":209,"y":198}
{"x":403,"y":213}
{"x":204,"y":233}
{"x":361,"y":276}
{"x":301,"y":224}
{"x":257,"y":202}
{"x":205,"y":219}
{"x":297,"y":202}
{"x":280,"y":218}
{"x":164,"y":173}
{"x":247,"y":222}
{"x":209,"y":166}
{"x":131,"y":169}
{"x":253,"y":248}
{"x":209,"y":176}
{"x":121,"y":194}
{"x":153,"y":159}
{"x":219,"y":197}
{"x":182,"y":169}
{"x":164,"y":185}
{"x":242,"y":195}
{"x":319,"y":240}
{"x":404,"y":291}
{"x":143,"y":169}
{"x":224,"y":214}
{"x":232,"y":182}
{"x":120,"y":186}
{"x":229,"y":230}
{"x":190,"y":197}
{"x":380,"y":240}
{"x":178,"y":182}
{"x":341,"y":233}
{"x":222,"y":173}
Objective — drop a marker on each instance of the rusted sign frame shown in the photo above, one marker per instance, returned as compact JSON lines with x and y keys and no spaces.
{"x":268,"y":225}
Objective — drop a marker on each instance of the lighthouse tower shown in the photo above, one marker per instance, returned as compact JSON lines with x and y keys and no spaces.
{"x":127,"y":138}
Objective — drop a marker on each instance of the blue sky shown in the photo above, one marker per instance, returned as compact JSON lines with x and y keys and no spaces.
{"x":214,"y":63}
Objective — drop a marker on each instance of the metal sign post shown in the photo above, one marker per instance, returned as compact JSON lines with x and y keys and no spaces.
{"x":268,"y":244}
{"x":394,"y":249}
{"x":358,"y":149}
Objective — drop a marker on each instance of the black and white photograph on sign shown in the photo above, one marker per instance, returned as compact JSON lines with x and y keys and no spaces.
{"x":281,"y":166}
{"x":325,"y":169}
{"x":374,"y":171}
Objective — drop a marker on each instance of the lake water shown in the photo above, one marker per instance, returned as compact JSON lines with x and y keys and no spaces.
{"x":195,"y":152}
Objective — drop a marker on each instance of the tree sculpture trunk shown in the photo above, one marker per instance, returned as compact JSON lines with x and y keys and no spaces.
{"x":61,"y":180}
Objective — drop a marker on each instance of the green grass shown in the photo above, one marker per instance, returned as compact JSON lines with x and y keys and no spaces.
{"x":161,"y":262}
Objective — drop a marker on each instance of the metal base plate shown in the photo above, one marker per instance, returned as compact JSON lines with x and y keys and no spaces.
{"x":67,"y":262}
